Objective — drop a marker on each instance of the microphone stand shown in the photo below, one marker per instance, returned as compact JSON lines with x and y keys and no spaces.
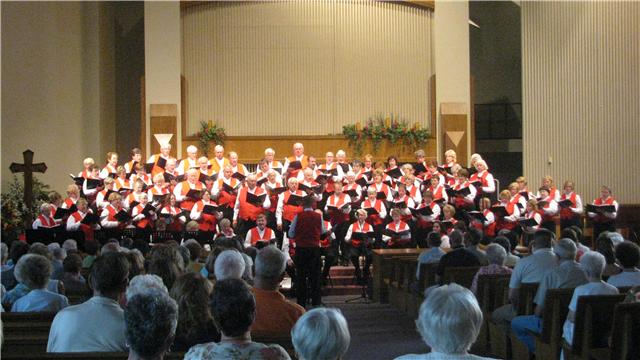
{"x":363,"y":287}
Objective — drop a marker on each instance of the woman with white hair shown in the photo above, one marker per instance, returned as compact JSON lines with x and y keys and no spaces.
{"x":496,"y":256}
{"x":482,"y":179}
{"x":151,"y":319}
{"x":34,"y":271}
{"x":45,"y":219}
{"x":593,"y":264}
{"x":321,"y":333}
{"x":449,"y":322}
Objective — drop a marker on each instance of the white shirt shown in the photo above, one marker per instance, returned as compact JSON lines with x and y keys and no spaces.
{"x":590,"y":288}
{"x":625,"y":278}
{"x":441,"y":356}
{"x":532,"y":268}
{"x":40,"y":300}
{"x":95,"y":325}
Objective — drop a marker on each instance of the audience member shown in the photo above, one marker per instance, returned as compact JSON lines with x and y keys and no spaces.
{"x":110,"y":246}
{"x":605,"y":246}
{"x":628,"y":255}
{"x":458,"y":256}
{"x":144,"y":283}
{"x":433,"y":254}
{"x":233,"y":308}
{"x":510,"y":260}
{"x":194,"y":255}
{"x":195,"y":324}
{"x":16,"y":251}
{"x":70,"y":246}
{"x":91,"y":248}
{"x":97,"y":324}
{"x":136,"y":263}
{"x":4,"y":257}
{"x":472,"y":242}
{"x":496,"y":256}
{"x":151,"y":319}
{"x":229,"y":264}
{"x":275,"y":316}
{"x":321,"y":333}
{"x":592,"y":263}
{"x":34,"y":271}
{"x":528,"y":270}
{"x":74,"y":282}
{"x":165,"y":269}
{"x":568,"y":274}
{"x":449,"y":322}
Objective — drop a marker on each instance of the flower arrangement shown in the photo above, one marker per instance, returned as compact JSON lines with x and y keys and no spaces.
{"x":15,"y":214}
{"x":210,"y":132}
{"x":380,"y":128}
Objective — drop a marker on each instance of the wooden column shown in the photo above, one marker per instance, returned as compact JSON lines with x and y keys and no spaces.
{"x":453,"y":117}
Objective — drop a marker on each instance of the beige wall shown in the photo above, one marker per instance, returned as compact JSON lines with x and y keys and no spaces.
{"x":451,"y":57}
{"x":162,"y":60}
{"x":305,"y":68}
{"x":581,"y":91}
{"x":57,"y":89}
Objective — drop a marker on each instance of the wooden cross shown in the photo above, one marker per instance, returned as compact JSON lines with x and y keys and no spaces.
{"x":28,"y":168}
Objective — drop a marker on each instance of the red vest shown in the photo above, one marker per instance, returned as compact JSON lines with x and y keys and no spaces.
{"x":373,"y":219}
{"x":308,"y":229}
{"x":501,"y":224}
{"x":359,"y":229}
{"x":598,"y":201}
{"x":187,"y":203}
{"x":145,"y":222}
{"x":437,"y":192}
{"x":46,"y":221}
{"x":249,"y":211}
{"x":112,"y":213}
{"x":255,"y":235}
{"x":337,"y":217}
{"x":566,"y":213}
{"x":402,"y":226}
{"x":207,"y":222}
{"x":290,"y":211}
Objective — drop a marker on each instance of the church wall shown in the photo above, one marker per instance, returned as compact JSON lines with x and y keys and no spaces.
{"x":55,"y":99}
{"x":304,"y":68}
{"x":581,"y":85}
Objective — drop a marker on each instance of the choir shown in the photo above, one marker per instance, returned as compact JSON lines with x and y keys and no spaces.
{"x":366,"y":205}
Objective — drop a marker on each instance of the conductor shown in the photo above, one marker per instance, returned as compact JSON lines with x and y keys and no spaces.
{"x":305,"y":232}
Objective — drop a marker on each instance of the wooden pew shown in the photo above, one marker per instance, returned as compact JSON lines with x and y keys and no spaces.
{"x":549,"y":341}
{"x":593,"y":322}
{"x":500,"y":342}
{"x":492,"y":292}
{"x":427,"y":278}
{"x":624,"y":335}
{"x":462,"y":275}
{"x":381,"y":268}
{"x":26,"y":323}
{"x":398,"y":285}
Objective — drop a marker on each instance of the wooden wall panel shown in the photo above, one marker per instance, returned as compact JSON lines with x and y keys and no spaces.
{"x":164,"y":120}
{"x":454,"y":128}
{"x":581,"y":85}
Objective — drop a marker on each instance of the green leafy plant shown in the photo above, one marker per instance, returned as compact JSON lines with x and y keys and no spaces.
{"x":210,"y":132}
{"x":15,"y":213}
{"x":381,"y":128}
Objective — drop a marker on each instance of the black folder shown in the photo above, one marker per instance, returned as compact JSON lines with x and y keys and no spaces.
{"x":228,"y":188}
{"x":168,"y":177}
{"x":381,"y":195}
{"x":419,"y":168}
{"x":295,"y":165}
{"x":565,"y":203}
{"x":444,"y":170}
{"x":78,"y":180}
{"x":499,"y":211}
{"x":122,"y":216}
{"x":133,"y":204}
{"x":527,"y":222}
{"x":194,"y":194}
{"x":398,"y":204}
{"x":133,"y":169}
{"x":353,"y":194}
{"x":210,"y":209}
{"x":148,"y":167}
{"x":344,"y":167}
{"x":396,"y":234}
{"x":394,"y":173}
{"x":424,"y":211}
{"x":94,"y":183}
{"x":445,"y":225}
{"x":371,"y":211}
{"x":335,"y":208}
{"x":147,"y":210}
{"x":362,"y":181}
{"x":90,"y":219}
{"x":256,"y":200}
{"x":308,"y":189}
{"x":238,"y":176}
{"x":601,"y":209}
{"x":162,"y":162}
{"x":202,"y":178}
{"x":261,"y":181}
{"x":477,"y":215}
{"x":61,"y":213}
{"x":277,"y":190}
{"x":362,"y":236}
{"x":161,"y":198}
{"x":295,"y":200}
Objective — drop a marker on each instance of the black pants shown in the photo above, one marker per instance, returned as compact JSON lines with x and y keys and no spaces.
{"x":307,"y":261}
{"x":565,"y":223}
{"x":600,"y":227}
{"x":340,"y":231}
